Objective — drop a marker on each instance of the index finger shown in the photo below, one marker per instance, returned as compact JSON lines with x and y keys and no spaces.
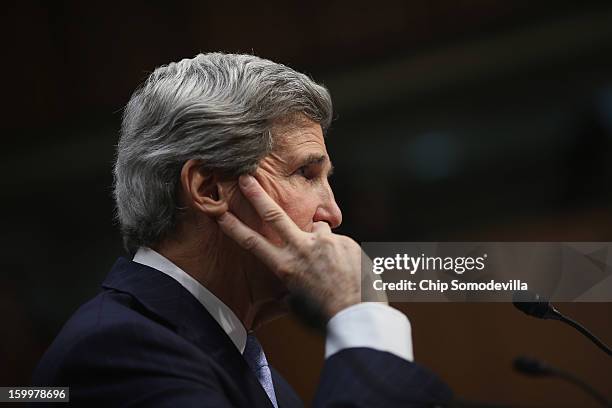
{"x":250,"y":240}
{"x":268,"y":210}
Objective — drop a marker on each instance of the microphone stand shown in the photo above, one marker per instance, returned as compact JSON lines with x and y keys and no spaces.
{"x":585,"y":332}
{"x":534,"y":305}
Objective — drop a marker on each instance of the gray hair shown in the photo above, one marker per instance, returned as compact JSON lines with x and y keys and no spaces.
{"x":217,"y":108}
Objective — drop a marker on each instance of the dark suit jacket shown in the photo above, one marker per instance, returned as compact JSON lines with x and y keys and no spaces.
{"x":145,"y":341}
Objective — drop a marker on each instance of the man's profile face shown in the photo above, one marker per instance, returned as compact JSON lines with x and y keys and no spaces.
{"x":295,"y":175}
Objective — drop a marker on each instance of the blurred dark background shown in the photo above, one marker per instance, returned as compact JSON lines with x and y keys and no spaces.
{"x":455,"y":120}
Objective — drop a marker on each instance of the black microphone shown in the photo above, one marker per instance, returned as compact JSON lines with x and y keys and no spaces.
{"x":536,"y":368}
{"x":531,"y":366}
{"x":535,"y":305}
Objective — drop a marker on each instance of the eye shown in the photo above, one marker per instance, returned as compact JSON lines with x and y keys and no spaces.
{"x":306,"y":172}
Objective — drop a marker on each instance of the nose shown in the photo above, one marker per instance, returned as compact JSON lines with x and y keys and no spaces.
{"x":328,"y":211}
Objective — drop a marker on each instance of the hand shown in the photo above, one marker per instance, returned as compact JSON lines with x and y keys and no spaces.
{"x":325,"y":265}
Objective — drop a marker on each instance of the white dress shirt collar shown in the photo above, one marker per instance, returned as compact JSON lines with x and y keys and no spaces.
{"x":217,"y":309}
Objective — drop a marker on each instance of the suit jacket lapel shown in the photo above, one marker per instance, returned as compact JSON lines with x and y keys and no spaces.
{"x":183,"y":313}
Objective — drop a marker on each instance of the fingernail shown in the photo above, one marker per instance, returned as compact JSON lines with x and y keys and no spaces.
{"x":245,"y":180}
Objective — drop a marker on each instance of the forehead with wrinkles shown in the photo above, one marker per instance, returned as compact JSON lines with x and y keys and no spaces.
{"x":291,"y":138}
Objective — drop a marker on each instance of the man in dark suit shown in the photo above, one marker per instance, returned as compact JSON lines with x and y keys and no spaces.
{"x":221,"y":184}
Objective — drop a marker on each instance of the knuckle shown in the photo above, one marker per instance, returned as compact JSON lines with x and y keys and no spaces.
{"x":321,"y":227}
{"x":323,"y":243}
{"x":283,"y":270}
{"x":327,"y":239}
{"x":320,"y":234}
{"x":271,"y":215}
{"x":348,"y":241}
{"x":306,"y":246}
{"x":249,"y":242}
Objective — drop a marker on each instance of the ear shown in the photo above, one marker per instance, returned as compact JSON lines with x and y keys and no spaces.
{"x":201,"y":190}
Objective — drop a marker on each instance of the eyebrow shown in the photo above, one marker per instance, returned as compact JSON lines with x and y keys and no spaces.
{"x":317,"y":159}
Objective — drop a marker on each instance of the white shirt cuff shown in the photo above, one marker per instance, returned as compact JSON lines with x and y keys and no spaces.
{"x":372,"y":325}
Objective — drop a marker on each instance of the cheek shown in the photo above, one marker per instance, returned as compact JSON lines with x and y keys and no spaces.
{"x":301,"y":207}
{"x":291,"y":204}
